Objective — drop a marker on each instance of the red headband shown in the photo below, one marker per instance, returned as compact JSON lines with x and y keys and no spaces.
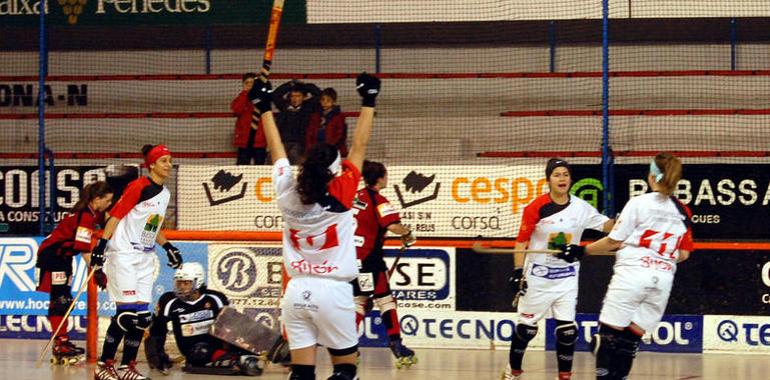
{"x":155,"y":153}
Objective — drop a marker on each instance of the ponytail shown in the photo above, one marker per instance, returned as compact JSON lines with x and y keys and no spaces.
{"x":89,"y":193}
{"x":671,"y":167}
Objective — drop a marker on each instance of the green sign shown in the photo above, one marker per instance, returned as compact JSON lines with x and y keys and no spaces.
{"x":148,"y":12}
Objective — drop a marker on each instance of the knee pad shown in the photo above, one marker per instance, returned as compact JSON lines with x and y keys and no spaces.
{"x":344,"y":351}
{"x":385,"y":303}
{"x":361,"y":302}
{"x":60,"y":304}
{"x":605,"y":339}
{"x":200,"y":354}
{"x":344,"y":372}
{"x":566,"y":333}
{"x":302,"y":372}
{"x":628,"y":344}
{"x":525,"y":333}
{"x":132,"y":321}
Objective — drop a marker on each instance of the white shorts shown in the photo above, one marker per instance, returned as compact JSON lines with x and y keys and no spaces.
{"x":636,"y":295}
{"x":537,"y":304}
{"x":319,"y":311}
{"x":130,"y":275}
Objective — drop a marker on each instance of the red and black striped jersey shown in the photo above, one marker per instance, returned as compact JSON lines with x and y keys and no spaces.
{"x":373,"y":216}
{"x":73,"y":234}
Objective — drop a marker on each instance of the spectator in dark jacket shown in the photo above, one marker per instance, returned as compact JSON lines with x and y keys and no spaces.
{"x":297,"y":102}
{"x":328,"y":124}
{"x":249,"y":141}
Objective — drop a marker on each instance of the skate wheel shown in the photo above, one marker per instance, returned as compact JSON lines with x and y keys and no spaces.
{"x":54,"y":361}
{"x":398,"y":364}
{"x":73,"y":361}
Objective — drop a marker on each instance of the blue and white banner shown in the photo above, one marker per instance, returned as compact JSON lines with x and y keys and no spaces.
{"x":19,"y":276}
{"x":675,"y":333}
{"x":733,"y":333}
{"x":38,"y":327}
{"x":423,"y":278}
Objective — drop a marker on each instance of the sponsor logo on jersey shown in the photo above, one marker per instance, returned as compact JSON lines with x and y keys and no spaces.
{"x":196,"y":316}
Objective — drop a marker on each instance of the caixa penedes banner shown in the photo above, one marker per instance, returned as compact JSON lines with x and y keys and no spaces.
{"x":675,"y":333}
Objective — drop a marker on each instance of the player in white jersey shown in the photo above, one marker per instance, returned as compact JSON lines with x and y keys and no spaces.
{"x":129,"y":239}
{"x":653,"y":234}
{"x":318,"y":249}
{"x":545,"y":285}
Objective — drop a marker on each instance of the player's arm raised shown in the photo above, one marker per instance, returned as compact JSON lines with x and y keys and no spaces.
{"x":261,"y":96}
{"x":368,"y":87}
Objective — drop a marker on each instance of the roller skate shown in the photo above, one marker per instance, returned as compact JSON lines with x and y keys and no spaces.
{"x":564,"y":376}
{"x":404,"y":356}
{"x":129,"y":372}
{"x":65,"y":352}
{"x":106,"y":371}
{"x":509,"y":374}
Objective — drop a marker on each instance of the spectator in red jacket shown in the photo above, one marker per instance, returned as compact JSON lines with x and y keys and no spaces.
{"x":328,"y":124}
{"x":250,"y":142}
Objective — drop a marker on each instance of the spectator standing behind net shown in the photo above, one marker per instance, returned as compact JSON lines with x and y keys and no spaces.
{"x":250,"y":142}
{"x":297,"y":102}
{"x":327,"y":125}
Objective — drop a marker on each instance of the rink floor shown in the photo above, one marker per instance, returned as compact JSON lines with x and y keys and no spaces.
{"x":17,"y":362}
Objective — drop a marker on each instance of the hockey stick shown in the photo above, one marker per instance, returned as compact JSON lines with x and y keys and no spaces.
{"x":478,"y":248}
{"x":66,"y":315}
{"x":267,"y":61}
{"x":395,"y":263}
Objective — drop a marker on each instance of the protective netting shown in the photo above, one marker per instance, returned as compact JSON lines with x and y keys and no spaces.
{"x":476,"y":95}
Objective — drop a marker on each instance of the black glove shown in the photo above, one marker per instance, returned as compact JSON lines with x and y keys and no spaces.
{"x":261,"y":95}
{"x":100,"y":279}
{"x":174,"y":256}
{"x":518,"y":282}
{"x":156,"y":354}
{"x":571,"y":253}
{"x":368,"y":87}
{"x":97,"y":256}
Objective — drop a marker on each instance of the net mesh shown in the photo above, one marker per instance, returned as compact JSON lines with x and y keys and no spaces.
{"x":476,"y":95}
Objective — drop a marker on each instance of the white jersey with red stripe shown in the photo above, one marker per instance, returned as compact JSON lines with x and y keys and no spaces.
{"x":318,"y":237}
{"x":141,"y":210}
{"x":545,"y":225}
{"x":653,"y":230}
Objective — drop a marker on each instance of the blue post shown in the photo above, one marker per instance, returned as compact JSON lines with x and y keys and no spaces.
{"x":607,"y":172}
{"x":552,"y":46}
{"x":733,"y":43}
{"x":207,"y":46}
{"x":52,"y":193}
{"x":43,"y":68}
{"x":377,"y":47}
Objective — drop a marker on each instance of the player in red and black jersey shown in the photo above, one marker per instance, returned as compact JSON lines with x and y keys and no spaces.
{"x":374,"y":218}
{"x":72,"y":236}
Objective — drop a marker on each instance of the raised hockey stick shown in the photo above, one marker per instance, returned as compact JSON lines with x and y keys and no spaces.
{"x":395,"y":263}
{"x":83,"y":287}
{"x":267,"y":61}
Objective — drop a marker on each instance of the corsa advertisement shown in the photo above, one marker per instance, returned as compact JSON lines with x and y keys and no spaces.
{"x":437,"y":201}
{"x":18,"y":277}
